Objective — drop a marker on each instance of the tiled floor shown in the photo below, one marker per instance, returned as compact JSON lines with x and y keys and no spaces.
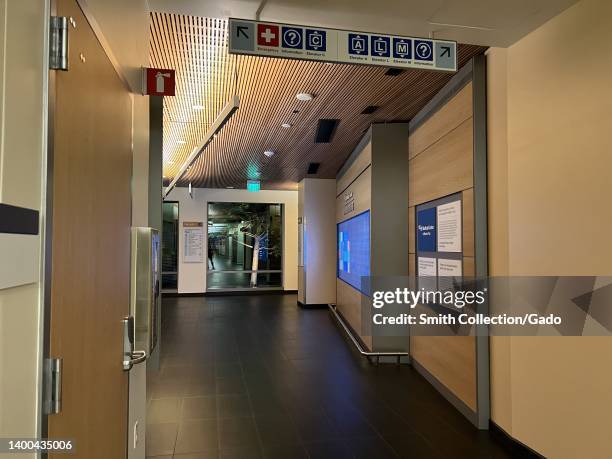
{"x":256,"y":376}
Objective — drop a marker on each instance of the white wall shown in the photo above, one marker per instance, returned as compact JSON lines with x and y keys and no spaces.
{"x":192,"y":276}
{"x":22,"y":151}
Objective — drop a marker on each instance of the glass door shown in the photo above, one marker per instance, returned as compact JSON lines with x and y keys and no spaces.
{"x":170,"y":224}
{"x":245,"y":246}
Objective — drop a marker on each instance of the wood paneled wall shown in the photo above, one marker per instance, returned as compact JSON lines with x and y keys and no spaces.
{"x":441,"y":161}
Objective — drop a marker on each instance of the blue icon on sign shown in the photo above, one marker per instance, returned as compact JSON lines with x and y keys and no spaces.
{"x":357,"y":44}
{"x":292,"y":37}
{"x":423,"y":50}
{"x":316,"y":40}
{"x":381,"y":46}
{"x":402,"y":48}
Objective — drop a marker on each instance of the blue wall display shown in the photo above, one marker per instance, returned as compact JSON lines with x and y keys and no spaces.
{"x":426,"y":230}
{"x":354,"y":249}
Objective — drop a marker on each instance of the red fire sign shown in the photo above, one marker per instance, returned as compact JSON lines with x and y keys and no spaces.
{"x":267,"y":35}
{"x":160,"y":82}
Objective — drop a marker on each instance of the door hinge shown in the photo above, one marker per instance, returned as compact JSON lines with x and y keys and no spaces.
{"x":58,"y":43}
{"x":52,"y":373}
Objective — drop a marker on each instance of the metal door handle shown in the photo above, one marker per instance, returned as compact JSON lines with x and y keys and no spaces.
{"x":136,"y":358}
{"x":130,"y":356}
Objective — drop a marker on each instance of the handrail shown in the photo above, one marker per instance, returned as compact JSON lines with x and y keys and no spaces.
{"x":359,"y":346}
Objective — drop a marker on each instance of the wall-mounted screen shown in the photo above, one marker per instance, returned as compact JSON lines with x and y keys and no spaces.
{"x":354,"y":249}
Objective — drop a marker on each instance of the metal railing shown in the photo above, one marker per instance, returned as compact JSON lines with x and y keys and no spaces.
{"x":368,"y":354}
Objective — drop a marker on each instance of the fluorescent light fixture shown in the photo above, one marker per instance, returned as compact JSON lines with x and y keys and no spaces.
{"x":253,"y":185}
{"x":286,"y":125}
{"x":223,"y":117}
{"x":182,"y":142}
{"x":229,"y":187}
{"x":198,"y":107}
{"x":269,"y":153}
{"x":304,"y":96}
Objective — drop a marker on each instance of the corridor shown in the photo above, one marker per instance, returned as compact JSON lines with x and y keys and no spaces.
{"x":256,"y":376}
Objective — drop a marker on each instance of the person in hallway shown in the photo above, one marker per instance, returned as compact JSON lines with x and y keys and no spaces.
{"x":211,"y":251}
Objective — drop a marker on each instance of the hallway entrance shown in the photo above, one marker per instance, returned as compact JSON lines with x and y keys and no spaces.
{"x":245,"y":245}
{"x":254,"y":376}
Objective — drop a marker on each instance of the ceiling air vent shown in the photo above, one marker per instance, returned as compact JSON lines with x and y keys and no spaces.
{"x":393,"y":72}
{"x":313,"y":168}
{"x":326,"y":130}
{"x":369,"y":109}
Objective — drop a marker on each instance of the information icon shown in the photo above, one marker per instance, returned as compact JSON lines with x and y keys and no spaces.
{"x":423,"y":50}
{"x":292,"y":37}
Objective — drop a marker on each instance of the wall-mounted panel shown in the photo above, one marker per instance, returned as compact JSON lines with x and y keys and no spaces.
{"x":441,"y":168}
{"x":444,"y":168}
{"x":452,"y":114}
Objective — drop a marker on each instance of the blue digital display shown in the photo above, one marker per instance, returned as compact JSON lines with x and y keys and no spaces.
{"x":354,"y":249}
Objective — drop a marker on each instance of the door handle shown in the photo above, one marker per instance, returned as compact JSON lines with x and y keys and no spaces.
{"x":130,"y":356}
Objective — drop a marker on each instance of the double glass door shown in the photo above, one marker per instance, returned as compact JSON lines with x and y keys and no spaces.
{"x":244,"y":246}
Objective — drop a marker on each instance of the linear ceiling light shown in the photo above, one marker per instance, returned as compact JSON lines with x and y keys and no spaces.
{"x":227,"y":112}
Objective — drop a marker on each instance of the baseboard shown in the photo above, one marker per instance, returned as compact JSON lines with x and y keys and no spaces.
{"x":177,"y":295}
{"x":312,"y":305}
{"x":516,"y":448}
{"x":446,"y":393}
{"x":250,"y":292}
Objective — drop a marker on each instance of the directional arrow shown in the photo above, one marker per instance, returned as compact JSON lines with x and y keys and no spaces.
{"x":241,"y":30}
{"x":446,"y":51}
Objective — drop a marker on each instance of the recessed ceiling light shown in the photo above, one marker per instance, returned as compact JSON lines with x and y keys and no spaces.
{"x":304,"y":96}
{"x":269,"y":153}
{"x":182,"y":142}
{"x":286,"y":125}
{"x":198,"y":107}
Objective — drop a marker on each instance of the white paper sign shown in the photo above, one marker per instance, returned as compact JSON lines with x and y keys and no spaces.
{"x":427,"y":273}
{"x":447,"y":270}
{"x":449,"y":227}
{"x":193,"y":242}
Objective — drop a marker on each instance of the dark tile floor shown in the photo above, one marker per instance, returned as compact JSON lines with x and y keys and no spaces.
{"x":256,"y":376}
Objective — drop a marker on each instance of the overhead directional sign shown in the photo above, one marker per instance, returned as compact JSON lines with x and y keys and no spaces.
{"x":345,"y":46}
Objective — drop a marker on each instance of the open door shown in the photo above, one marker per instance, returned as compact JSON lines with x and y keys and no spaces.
{"x":91,"y":113}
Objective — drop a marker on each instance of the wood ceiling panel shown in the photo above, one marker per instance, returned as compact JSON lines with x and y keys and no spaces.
{"x":207,"y":76}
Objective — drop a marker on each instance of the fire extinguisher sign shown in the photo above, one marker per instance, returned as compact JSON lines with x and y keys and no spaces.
{"x":160,"y":82}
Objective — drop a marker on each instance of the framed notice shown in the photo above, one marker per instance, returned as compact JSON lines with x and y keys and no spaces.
{"x":193,"y":242}
{"x":449,"y":227}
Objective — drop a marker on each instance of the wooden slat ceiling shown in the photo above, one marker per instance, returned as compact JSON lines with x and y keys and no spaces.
{"x":207,"y":76}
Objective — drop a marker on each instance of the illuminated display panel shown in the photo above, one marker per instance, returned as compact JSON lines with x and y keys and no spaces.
{"x":354,"y":249}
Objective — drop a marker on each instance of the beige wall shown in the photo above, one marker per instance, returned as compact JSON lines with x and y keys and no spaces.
{"x":22,"y":146}
{"x":550,"y":139}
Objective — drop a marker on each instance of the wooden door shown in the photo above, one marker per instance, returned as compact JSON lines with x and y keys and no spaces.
{"x":92,"y":168}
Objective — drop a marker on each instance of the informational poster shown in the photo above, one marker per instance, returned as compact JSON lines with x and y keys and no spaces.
{"x":449,"y":227}
{"x":427,"y":273}
{"x":449,"y":271}
{"x":193,"y":242}
{"x":426,"y":230}
{"x":427,"y":266}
